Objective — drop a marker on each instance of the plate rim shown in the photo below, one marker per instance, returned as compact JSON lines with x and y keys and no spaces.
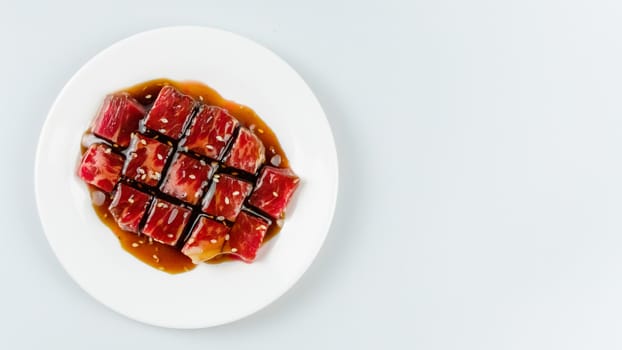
{"x":44,"y":131}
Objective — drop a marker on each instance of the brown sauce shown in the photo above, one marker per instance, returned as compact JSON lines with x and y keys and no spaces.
{"x":162,"y":256}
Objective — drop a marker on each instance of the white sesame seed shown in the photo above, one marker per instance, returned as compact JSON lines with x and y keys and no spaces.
{"x":215,"y":179}
{"x":162,"y":131}
{"x":185,"y":149}
{"x":170,"y":235}
{"x":140,"y":170}
{"x":148,"y":96}
{"x":233,"y":250}
{"x":150,"y":240}
{"x":219,"y":138}
{"x":209,"y":147}
{"x":164,"y":120}
{"x":159,"y":156}
{"x":202,"y":162}
{"x":227,"y":237}
{"x":192,"y":176}
{"x":134,"y":244}
{"x":235,"y":193}
{"x":141,"y":241}
{"x":201,"y":98}
{"x":131,"y":199}
{"x":143,"y":141}
{"x":144,"y":177}
{"x":275,"y":194}
{"x":226,"y":200}
{"x":220,"y":218}
{"x":260,"y":227}
{"x":108,"y":151}
{"x":260,"y":131}
{"x":155,"y":257}
{"x":214,"y":241}
{"x":134,"y":155}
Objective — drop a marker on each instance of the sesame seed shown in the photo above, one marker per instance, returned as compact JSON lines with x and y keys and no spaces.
{"x":134,"y":244}
{"x":201,"y":98}
{"x":260,"y":227}
{"x":134,"y":155}
{"x":164,"y":120}
{"x":185,"y":149}
{"x":233,"y":250}
{"x":141,"y":241}
{"x":214,"y":241}
{"x":140,"y":170}
{"x":226,"y":200}
{"x":215,"y":179}
{"x":143,"y":177}
{"x":235,"y":193}
{"x":150,"y":240}
{"x":227,"y":237}
{"x":192,"y":176}
{"x":148,"y":96}
{"x":220,"y":218}
{"x":170,"y":235}
{"x":219,"y":138}
{"x":202,"y":162}
{"x":131,"y":199}
{"x":155,"y":257}
{"x":260,"y":130}
{"x":275,"y":194}
{"x":210,"y":147}
{"x":143,"y":141}
{"x":162,"y":131}
{"x":159,"y":156}
{"x":108,"y":151}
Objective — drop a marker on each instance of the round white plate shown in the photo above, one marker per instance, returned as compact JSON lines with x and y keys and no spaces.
{"x":240,"y":70}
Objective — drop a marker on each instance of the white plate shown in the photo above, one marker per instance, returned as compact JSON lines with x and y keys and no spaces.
{"x":240,"y":70}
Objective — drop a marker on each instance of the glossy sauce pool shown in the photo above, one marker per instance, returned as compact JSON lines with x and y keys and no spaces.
{"x":162,"y":256}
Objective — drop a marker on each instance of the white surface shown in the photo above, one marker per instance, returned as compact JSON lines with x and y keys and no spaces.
{"x":210,"y":294}
{"x":505,"y":116}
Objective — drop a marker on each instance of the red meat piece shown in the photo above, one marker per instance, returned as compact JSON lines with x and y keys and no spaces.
{"x":273,"y":191}
{"x":166,"y":222}
{"x":210,"y":131}
{"x":170,"y":112}
{"x":100,"y":167}
{"x":225,"y":197}
{"x":247,"y":152}
{"x":117,"y":118}
{"x":206,"y":240}
{"x":186,"y":178}
{"x":146,"y":159}
{"x":246,"y":237}
{"x":128,"y":207}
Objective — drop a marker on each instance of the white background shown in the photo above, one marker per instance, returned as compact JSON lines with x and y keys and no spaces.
{"x":481,"y":173}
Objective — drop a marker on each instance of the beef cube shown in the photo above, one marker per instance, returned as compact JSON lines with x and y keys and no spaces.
{"x":273,"y":191}
{"x":247,"y":152}
{"x":206,"y":240}
{"x":210,"y":131}
{"x":246,"y":236}
{"x":225,"y":197}
{"x":186,"y":178}
{"x":100,"y":167}
{"x":146,"y":159}
{"x":128,"y":207}
{"x":166,"y":222}
{"x":170,"y":112}
{"x":117,"y":118}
